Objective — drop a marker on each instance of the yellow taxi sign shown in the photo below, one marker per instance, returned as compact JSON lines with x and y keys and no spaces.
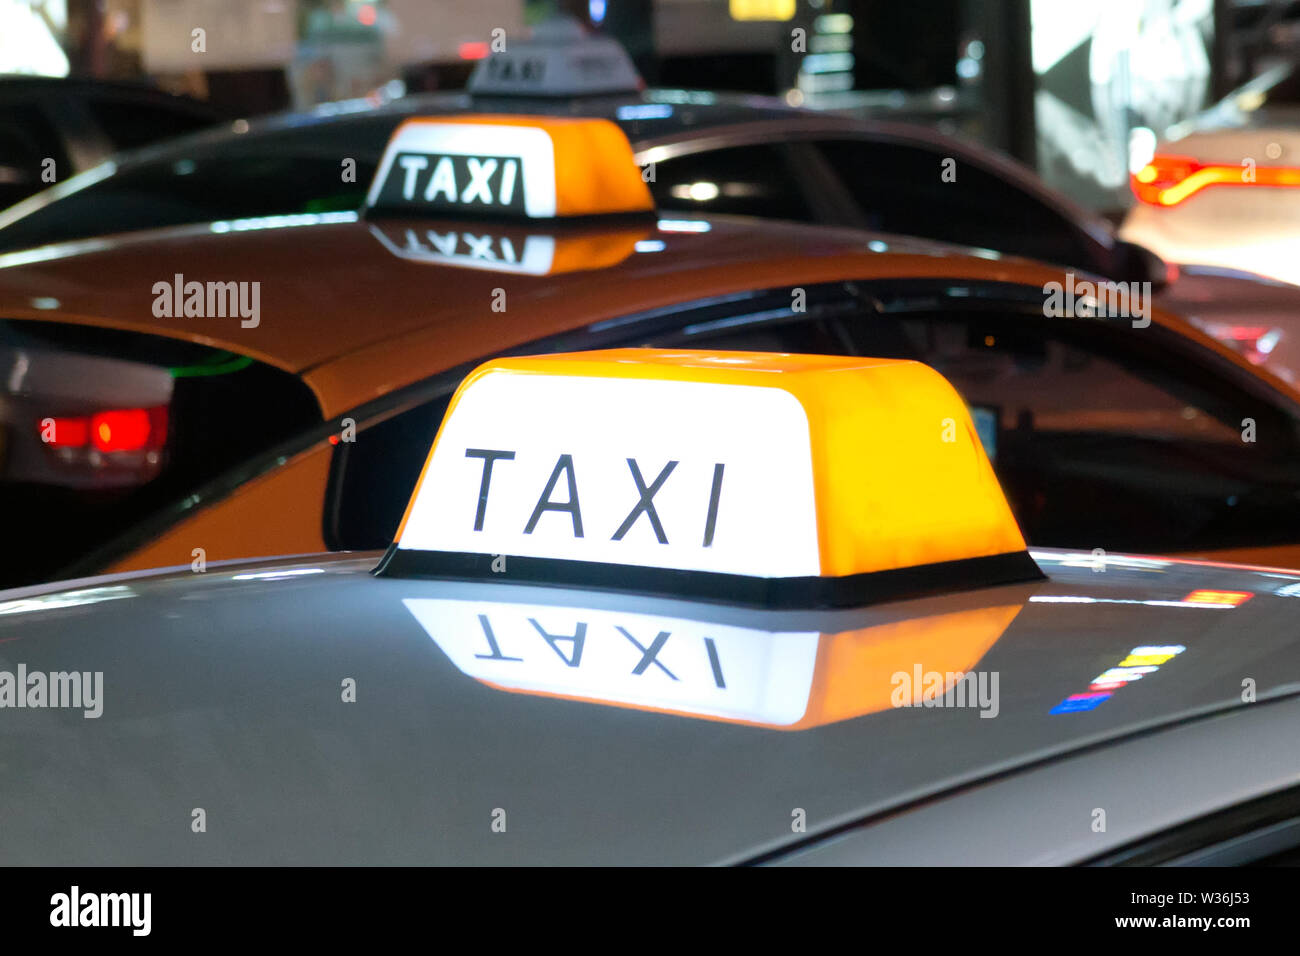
{"x":528,"y":167}
{"x":758,"y":478}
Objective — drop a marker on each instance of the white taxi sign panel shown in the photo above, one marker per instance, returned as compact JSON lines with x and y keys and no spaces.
{"x":521,"y":167}
{"x":769,"y":479}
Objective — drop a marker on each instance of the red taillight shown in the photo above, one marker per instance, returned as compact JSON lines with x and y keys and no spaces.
{"x":65,"y":432}
{"x":1168,"y":180}
{"x":473,"y":50}
{"x":126,"y":430}
{"x":118,"y":430}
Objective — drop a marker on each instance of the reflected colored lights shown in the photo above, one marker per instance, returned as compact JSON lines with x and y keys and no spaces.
{"x":1140,"y":662}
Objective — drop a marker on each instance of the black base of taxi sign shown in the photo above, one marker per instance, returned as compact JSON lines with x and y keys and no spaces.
{"x":854,"y":590}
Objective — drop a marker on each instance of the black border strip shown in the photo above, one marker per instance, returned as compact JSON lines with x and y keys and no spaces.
{"x":852,"y":590}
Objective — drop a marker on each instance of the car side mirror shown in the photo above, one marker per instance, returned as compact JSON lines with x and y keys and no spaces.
{"x":1135,"y":263}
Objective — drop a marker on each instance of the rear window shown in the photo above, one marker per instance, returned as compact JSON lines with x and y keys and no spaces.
{"x":279,"y":173}
{"x":187,"y":191}
{"x":131,"y":123}
{"x":100,"y":428}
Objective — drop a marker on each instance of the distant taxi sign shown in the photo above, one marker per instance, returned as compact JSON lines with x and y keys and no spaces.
{"x":560,"y":59}
{"x":766,"y":479}
{"x":509,"y":166}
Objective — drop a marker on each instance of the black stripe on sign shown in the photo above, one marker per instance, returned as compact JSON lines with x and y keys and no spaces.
{"x":853,"y":590}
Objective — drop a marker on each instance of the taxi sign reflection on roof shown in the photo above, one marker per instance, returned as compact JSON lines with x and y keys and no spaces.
{"x":767,"y":479}
{"x":525,"y":167}
{"x":505,"y":248}
{"x":744,"y":671}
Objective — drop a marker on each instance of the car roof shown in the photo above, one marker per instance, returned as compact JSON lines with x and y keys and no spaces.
{"x":228,"y":684}
{"x":647,"y":115}
{"x":652,"y":119}
{"x":356,"y":320}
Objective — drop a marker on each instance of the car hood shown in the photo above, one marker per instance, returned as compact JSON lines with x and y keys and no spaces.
{"x":317,"y":714}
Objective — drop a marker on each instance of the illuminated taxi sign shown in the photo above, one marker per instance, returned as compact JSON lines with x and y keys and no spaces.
{"x":509,"y":166}
{"x":560,"y":59}
{"x":768,"y":479}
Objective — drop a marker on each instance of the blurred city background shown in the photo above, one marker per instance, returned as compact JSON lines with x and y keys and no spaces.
{"x":1080,"y":91}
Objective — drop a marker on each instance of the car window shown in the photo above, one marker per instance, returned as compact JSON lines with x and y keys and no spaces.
{"x":746,"y":181}
{"x":375,"y":474}
{"x":130,"y":123}
{"x":900,"y":188}
{"x":276,"y":173}
{"x":27,"y":139}
{"x":1102,"y":438}
{"x":99,"y":429}
{"x":190,"y":191}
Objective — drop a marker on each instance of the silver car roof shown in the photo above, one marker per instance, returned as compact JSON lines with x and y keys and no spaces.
{"x":224,"y":691}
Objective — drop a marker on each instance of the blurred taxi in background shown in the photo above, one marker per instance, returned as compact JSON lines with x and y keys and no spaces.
{"x":268,"y":386}
{"x":709,"y":152}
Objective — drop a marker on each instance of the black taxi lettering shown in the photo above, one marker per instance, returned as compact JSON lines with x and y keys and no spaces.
{"x":649,"y":653}
{"x":571,"y":505}
{"x":517,"y":69}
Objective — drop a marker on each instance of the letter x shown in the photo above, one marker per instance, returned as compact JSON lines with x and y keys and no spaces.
{"x":480,"y":247}
{"x":480,"y":171}
{"x":648,"y":655}
{"x":646,"y":504}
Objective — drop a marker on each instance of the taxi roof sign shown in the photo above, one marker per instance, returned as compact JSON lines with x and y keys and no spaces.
{"x":561,"y":59}
{"x":499,"y":166}
{"x":755,"y":478}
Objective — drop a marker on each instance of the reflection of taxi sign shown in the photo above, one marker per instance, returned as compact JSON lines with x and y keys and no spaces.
{"x":500,"y":249}
{"x":560,"y":59}
{"x":766,"y":479}
{"x":509,"y":166}
{"x":740,"y":672}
